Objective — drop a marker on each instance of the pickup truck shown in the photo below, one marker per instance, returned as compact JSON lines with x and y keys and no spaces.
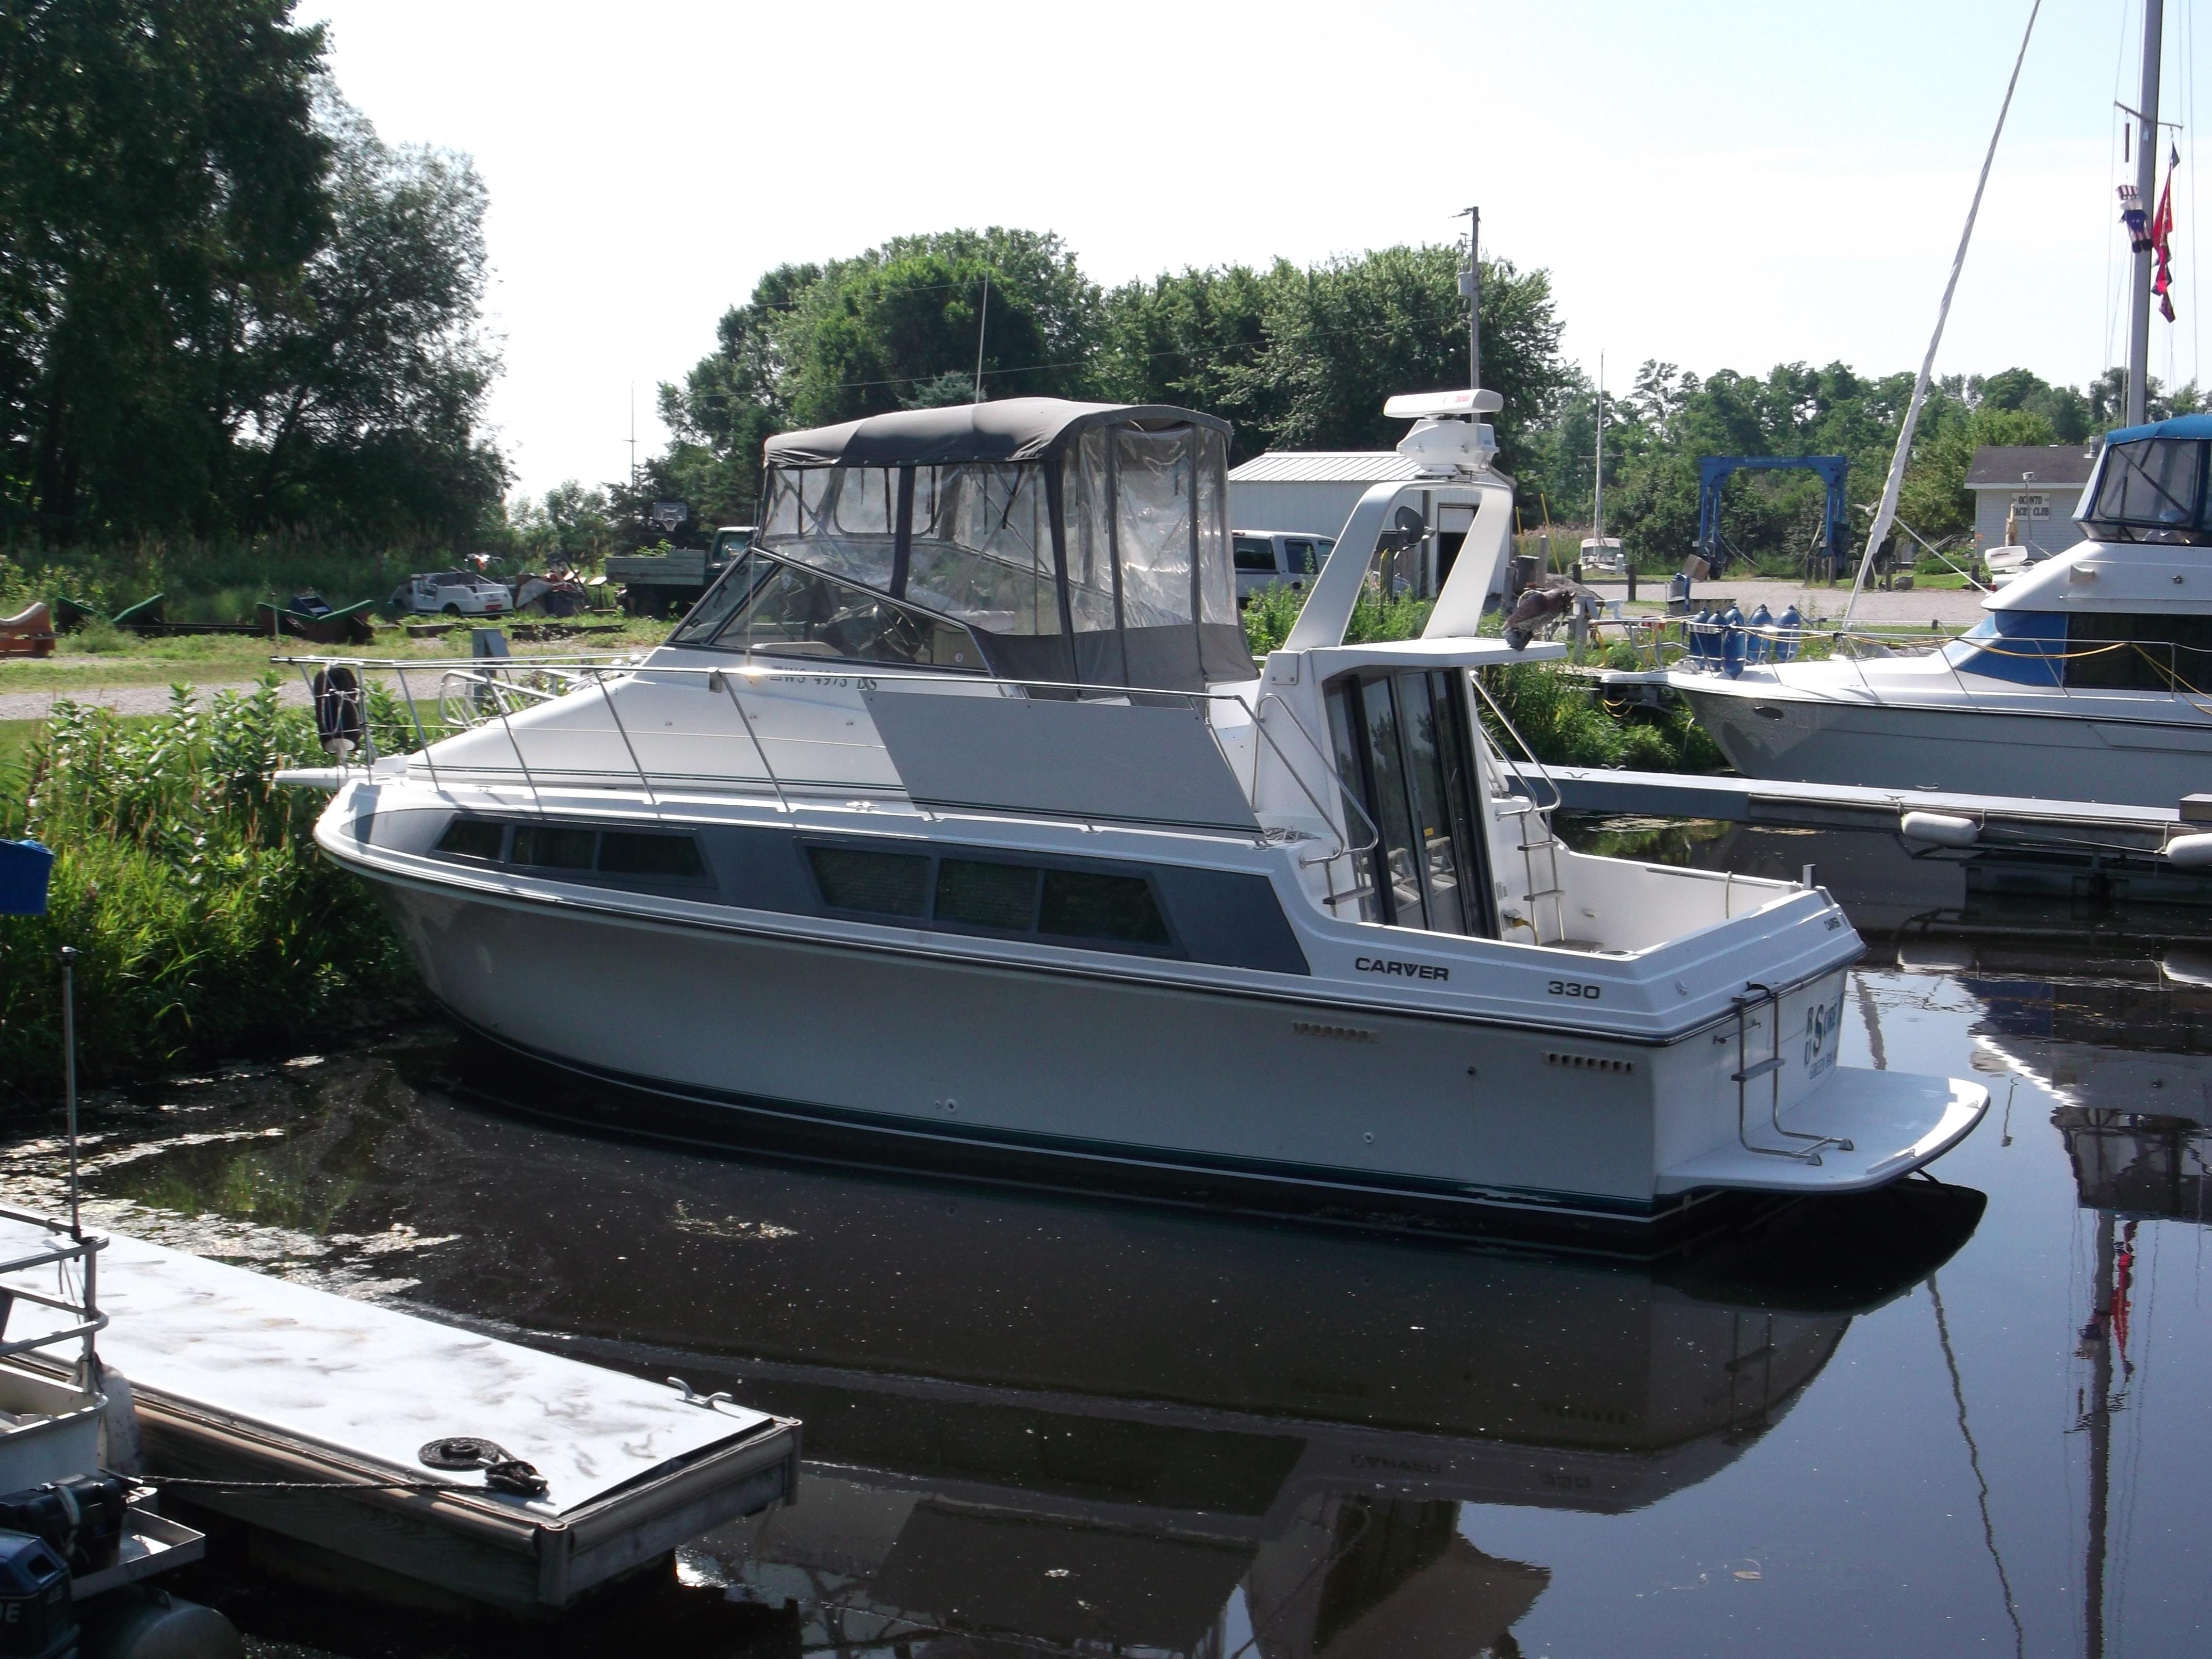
{"x":450,"y":593}
{"x":669,"y":583}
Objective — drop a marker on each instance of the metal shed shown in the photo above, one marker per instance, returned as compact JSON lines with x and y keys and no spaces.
{"x":1313,"y":492}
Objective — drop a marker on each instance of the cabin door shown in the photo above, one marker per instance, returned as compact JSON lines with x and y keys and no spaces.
{"x":1401,"y":744}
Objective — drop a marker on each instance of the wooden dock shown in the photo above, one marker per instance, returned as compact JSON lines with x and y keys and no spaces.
{"x":240,"y":1378}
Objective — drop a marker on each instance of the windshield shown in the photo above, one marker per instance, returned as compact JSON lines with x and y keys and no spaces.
{"x":762,"y":604}
{"x":2151,"y":489}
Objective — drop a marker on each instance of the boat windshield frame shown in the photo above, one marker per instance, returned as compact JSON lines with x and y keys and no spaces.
{"x":2129,"y":499}
{"x":930,"y":640}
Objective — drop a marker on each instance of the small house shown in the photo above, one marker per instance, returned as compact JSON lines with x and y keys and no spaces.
{"x":2037,"y":486}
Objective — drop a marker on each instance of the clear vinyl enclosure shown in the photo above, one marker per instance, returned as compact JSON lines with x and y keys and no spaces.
{"x":1101,"y":558}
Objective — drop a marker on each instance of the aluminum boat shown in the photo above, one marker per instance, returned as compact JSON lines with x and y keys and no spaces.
{"x":956,"y":827}
{"x":2087,"y":680}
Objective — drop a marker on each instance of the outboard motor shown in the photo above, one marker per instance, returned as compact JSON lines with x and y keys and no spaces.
{"x":1731,"y":642}
{"x":338,"y":720}
{"x":1786,"y":647}
{"x":1760,"y":646}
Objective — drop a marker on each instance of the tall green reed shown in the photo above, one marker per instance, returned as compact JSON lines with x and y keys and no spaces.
{"x":207,"y":925}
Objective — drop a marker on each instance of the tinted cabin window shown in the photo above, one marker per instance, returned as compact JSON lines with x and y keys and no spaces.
{"x":1253,"y":554}
{"x":549,"y":847}
{"x":1302,"y":557}
{"x":473,"y":838}
{"x":887,"y":883}
{"x":625,"y":852}
{"x":2141,"y":653}
{"x":1079,"y":905}
{"x":982,"y":895}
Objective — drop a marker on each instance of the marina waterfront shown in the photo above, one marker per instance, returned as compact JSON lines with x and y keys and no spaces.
{"x":1039,"y":1425}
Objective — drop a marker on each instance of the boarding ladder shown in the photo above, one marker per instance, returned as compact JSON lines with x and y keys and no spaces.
{"x":1748,"y":1071}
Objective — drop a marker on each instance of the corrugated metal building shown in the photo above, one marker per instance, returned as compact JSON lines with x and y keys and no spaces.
{"x":2041,"y":482}
{"x":1310,"y":491}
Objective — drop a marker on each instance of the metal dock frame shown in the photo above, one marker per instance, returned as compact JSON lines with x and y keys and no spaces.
{"x":473,"y":1543}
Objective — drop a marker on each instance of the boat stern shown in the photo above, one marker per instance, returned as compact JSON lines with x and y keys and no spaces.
{"x":1857,"y":1129}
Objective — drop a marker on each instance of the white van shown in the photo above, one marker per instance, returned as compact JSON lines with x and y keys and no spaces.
{"x":1265,"y":557}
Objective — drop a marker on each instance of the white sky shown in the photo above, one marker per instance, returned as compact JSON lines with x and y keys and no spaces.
{"x":1720,"y":185}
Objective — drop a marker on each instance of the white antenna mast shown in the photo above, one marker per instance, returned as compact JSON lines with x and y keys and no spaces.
{"x":983,"y":321}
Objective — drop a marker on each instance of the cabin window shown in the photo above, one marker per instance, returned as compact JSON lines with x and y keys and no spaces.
{"x":987,"y":894}
{"x":1104,"y":907}
{"x":655,"y":854}
{"x":553,"y":846}
{"x":473,"y":838}
{"x":1084,"y":904}
{"x":634,"y":852}
{"x":1255,"y":555}
{"x":1303,"y":557}
{"x":2117,"y":651}
{"x":883,"y":883}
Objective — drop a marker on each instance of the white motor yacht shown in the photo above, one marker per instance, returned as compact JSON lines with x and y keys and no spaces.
{"x":2086,"y":681}
{"x":956,"y":827}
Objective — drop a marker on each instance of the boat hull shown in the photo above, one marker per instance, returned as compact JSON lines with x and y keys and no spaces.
{"x":1965,"y":750}
{"x":1083,"y":1080}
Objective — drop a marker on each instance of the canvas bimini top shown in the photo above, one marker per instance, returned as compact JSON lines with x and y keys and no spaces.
{"x":1033,"y":538}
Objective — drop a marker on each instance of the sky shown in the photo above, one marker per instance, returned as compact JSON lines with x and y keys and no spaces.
{"x":1716,"y":184}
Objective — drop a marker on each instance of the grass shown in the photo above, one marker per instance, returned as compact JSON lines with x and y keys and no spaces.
{"x":219,"y":659}
{"x":206,"y":924}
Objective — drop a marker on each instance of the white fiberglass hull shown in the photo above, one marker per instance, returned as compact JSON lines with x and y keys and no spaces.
{"x":752,"y":1040}
{"x":2121,"y":759}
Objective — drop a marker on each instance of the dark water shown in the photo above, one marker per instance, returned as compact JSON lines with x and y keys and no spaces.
{"x":1910,"y":1426}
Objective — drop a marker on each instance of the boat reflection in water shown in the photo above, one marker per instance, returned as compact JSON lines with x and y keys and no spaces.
{"x":1036,"y":1423}
{"x":1195,"y":1430}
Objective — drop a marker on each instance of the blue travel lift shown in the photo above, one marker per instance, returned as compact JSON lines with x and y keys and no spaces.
{"x":1713,"y":471}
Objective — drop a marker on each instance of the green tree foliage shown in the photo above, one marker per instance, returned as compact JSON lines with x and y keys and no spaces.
{"x":569,"y":525}
{"x":1295,"y":358}
{"x":1656,"y":433}
{"x":223,"y":303}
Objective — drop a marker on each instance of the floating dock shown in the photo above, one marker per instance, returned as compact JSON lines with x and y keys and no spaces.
{"x":2008,"y":821}
{"x":240,"y":1378}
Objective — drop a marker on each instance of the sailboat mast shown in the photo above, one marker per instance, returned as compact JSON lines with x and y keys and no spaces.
{"x":1597,"y":509}
{"x":2146,"y":114}
{"x":2099,"y":1339}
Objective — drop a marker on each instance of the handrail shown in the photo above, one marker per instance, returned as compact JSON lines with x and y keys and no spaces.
{"x":69,"y":1246}
{"x":1559,"y":796}
{"x":590,"y":672}
{"x":1343,"y":848}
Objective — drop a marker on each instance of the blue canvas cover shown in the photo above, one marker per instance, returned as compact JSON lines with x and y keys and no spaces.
{"x":24,"y":867}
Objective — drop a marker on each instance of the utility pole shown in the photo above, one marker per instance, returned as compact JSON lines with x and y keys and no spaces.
{"x":2145,"y":183}
{"x":1470,"y":288}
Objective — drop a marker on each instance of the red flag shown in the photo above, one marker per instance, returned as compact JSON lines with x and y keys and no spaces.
{"x":2161,"y":240}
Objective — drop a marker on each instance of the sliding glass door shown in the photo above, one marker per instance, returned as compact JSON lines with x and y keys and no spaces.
{"x":1401,"y":744}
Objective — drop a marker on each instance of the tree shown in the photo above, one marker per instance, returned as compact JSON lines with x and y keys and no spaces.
{"x":362,"y":402}
{"x":224,"y":304}
{"x":897,"y":326}
{"x":160,"y":187}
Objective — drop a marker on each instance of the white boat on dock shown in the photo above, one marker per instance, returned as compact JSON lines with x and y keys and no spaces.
{"x":956,"y":827}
